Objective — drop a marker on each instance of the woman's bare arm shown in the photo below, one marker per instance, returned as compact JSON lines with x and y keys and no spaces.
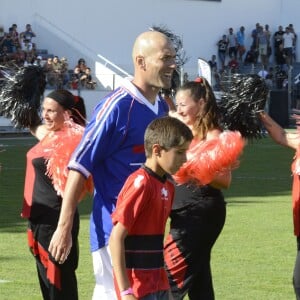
{"x":277,"y":133}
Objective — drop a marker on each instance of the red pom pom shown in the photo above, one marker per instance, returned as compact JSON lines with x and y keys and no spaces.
{"x":209,"y":158}
{"x":59,"y":146}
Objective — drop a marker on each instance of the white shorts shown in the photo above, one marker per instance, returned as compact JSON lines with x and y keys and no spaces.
{"x":263,"y":49}
{"x":104,"y":288}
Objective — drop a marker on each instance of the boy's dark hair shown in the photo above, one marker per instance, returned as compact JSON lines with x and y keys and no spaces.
{"x":168,"y":132}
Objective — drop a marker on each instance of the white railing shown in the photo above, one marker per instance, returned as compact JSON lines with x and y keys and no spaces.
{"x":107,"y":73}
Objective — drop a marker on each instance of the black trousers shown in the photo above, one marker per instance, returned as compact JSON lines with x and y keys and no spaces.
{"x":296,"y":275}
{"x":194,"y":230}
{"x":57,"y":281}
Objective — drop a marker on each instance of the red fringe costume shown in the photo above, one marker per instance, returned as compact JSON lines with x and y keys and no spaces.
{"x":296,"y":193}
{"x":46,"y":175}
{"x":296,"y":184}
{"x":295,"y":167}
{"x":59,"y":146}
{"x":198,"y":215}
{"x":206,"y":159}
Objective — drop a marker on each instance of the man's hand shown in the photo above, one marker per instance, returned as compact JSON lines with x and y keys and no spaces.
{"x":61,"y":242}
{"x":60,"y":245}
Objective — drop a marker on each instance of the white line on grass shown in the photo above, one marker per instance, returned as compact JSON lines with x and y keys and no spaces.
{"x":4,"y":281}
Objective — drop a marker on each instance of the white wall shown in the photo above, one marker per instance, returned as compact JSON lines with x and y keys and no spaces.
{"x":110,"y":27}
{"x":75,"y":28}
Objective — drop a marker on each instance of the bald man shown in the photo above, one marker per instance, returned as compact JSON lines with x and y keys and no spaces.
{"x":112,"y":148}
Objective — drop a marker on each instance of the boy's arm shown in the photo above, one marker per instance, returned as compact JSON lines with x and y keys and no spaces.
{"x":117,"y":251}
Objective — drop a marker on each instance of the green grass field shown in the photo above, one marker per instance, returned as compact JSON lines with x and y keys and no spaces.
{"x":252,"y":259}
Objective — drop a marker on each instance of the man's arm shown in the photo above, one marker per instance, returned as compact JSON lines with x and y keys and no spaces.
{"x":61,"y":242}
{"x":117,"y":250}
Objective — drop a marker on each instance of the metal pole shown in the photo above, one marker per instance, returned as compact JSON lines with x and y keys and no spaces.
{"x":289,"y":91}
{"x":181,"y":75}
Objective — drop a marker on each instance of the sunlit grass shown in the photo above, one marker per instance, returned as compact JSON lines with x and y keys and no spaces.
{"x":252,"y":259}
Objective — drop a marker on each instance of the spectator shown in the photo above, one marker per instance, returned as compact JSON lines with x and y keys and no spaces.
{"x":49,"y":72}
{"x":79,"y":74}
{"x":2,"y":33}
{"x":240,"y":38}
{"x":87,"y":80}
{"x":222,"y":49}
{"x":38,"y":61}
{"x":65,"y":70}
{"x":285,"y":83}
{"x":14,"y":37}
{"x":81,"y":65}
{"x":232,"y":44}
{"x":28,"y":34}
{"x":278,"y":42}
{"x":56,"y":63}
{"x":75,"y":79}
{"x":215,"y":74}
{"x":292,"y":29}
{"x":269,"y":81}
{"x":254,"y":35}
{"x":269,"y":48}
{"x":29,"y":60}
{"x":288,"y":45}
{"x":262,"y":46}
{"x":251,"y":56}
{"x":58,"y":72}
{"x":5,"y":56}
{"x":26,"y":45}
{"x":280,"y":59}
{"x":8,"y":42}
{"x":280,"y":77}
{"x":213,"y":63}
{"x":271,"y":73}
{"x":233,"y":65}
{"x":19,"y":56}
{"x":33,"y":49}
{"x":15,"y":33}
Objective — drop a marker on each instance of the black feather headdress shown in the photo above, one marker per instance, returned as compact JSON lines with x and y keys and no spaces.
{"x":20,"y":96}
{"x":177,"y":42}
{"x":243,"y":97}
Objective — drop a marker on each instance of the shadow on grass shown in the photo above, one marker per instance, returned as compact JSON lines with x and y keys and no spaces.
{"x":6,"y":258}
